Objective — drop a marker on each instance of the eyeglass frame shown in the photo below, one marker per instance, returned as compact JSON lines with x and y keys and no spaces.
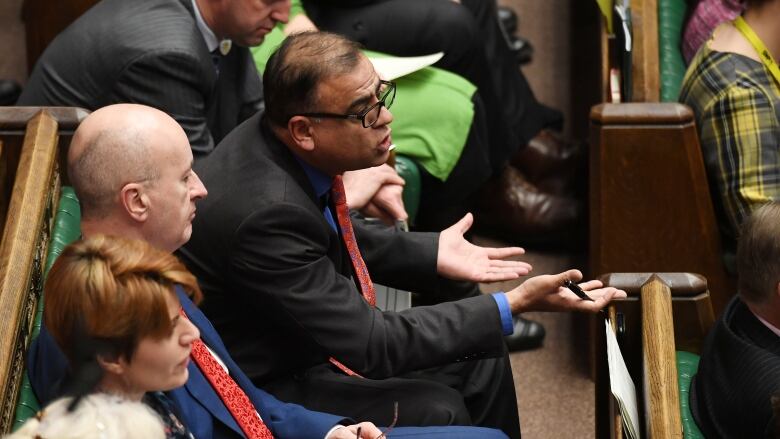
{"x":362,"y":115}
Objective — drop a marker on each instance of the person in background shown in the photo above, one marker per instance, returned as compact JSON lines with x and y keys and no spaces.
{"x":733,"y":392}
{"x":733,"y":88}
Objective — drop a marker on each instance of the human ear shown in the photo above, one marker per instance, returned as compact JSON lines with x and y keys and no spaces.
{"x":113,"y":364}
{"x":135,"y":201}
{"x":301,"y":130}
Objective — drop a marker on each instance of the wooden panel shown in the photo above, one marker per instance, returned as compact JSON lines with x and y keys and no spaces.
{"x":22,"y":253}
{"x":661,"y":392}
{"x":650,"y":206}
{"x":646,"y":85}
{"x":43,"y":21}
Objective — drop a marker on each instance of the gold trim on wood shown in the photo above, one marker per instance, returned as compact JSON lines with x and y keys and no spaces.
{"x":21,"y":254}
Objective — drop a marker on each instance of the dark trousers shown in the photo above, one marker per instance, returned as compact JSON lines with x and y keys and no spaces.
{"x":478,"y":392}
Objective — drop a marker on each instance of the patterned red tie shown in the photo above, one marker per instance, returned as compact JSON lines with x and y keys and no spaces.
{"x":236,"y":401}
{"x":348,"y":236}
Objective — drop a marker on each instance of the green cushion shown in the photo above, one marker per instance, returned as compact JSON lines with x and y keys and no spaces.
{"x":409,"y":171}
{"x":66,"y":229}
{"x":687,"y":365}
{"x":671,"y":18}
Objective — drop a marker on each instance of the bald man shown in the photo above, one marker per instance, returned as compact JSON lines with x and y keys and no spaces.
{"x":131,"y":167}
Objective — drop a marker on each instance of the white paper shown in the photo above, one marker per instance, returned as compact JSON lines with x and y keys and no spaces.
{"x":393,"y":67}
{"x":622,"y":385}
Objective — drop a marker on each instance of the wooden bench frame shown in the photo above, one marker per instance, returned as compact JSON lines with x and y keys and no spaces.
{"x":664,"y":312}
{"x":36,"y":185}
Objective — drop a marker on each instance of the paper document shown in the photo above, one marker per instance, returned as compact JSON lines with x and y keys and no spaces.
{"x":393,"y":67}
{"x":621,"y":385}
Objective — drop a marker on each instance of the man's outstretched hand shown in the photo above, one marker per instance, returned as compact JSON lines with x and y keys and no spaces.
{"x":547,"y":293}
{"x":461,"y":260}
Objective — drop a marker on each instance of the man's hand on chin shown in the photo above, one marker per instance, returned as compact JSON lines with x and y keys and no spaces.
{"x":459,"y":259}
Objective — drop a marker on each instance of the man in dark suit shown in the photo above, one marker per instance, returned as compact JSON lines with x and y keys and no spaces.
{"x":131,"y":167}
{"x":739,"y":369}
{"x":280,"y":284}
{"x":187,"y":58}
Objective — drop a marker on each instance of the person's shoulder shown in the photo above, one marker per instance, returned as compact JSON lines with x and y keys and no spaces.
{"x":149,"y":25}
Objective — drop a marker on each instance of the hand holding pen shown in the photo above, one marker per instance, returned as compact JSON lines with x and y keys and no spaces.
{"x":552,"y":293}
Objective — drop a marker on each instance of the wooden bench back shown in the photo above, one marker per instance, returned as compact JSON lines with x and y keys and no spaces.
{"x":650,"y":205}
{"x":27,"y":226}
{"x":664,"y":312}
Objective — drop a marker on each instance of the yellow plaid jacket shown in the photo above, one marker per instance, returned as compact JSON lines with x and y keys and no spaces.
{"x":737,"y":106}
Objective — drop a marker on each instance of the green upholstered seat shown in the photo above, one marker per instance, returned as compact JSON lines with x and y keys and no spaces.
{"x":66,"y":229}
{"x":687,"y":365}
{"x":409,"y":171}
{"x":671,"y":17}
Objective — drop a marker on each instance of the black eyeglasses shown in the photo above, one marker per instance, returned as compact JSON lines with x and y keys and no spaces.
{"x":368,"y":117}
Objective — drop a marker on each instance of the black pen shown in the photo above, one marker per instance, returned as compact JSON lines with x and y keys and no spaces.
{"x":574,"y":288}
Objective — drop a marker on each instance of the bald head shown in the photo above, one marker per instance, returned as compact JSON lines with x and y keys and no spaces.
{"x":116,"y":145}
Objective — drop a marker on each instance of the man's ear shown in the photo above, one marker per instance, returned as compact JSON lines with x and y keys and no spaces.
{"x":135,"y":201}
{"x":301,"y":130}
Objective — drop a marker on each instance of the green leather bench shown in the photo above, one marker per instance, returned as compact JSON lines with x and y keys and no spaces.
{"x":65,"y":230}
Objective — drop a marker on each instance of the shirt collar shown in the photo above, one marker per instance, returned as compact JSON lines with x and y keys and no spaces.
{"x":208,"y":35}
{"x":771,"y":327}
{"x":320,"y":181}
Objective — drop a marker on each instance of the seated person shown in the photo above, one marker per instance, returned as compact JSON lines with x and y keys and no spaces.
{"x":131,"y":167}
{"x":735,"y":97}
{"x":739,"y":371}
{"x":287,"y":275}
{"x":98,"y":415}
{"x":111,"y":305}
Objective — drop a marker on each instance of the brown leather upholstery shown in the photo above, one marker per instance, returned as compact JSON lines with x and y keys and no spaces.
{"x":650,"y":206}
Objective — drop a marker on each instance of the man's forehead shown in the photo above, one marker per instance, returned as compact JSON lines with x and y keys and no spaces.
{"x":347,"y":87}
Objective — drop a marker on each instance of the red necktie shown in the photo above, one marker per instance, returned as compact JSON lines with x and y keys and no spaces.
{"x":236,"y":401}
{"x":348,"y":236}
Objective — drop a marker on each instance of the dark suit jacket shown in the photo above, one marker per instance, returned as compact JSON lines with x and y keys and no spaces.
{"x":277,"y":278}
{"x":149,"y":52}
{"x":739,"y":372}
{"x":196,"y":402}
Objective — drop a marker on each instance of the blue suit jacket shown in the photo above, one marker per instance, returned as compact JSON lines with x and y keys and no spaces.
{"x":197,"y":403}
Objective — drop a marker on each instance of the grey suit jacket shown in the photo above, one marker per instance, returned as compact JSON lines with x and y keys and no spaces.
{"x":149,"y":52}
{"x":278,"y":282}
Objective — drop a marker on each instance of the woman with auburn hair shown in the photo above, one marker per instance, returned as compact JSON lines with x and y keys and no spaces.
{"x":110,"y":305}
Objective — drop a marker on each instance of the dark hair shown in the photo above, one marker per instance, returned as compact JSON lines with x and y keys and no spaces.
{"x":298,"y":66}
{"x":758,"y":254}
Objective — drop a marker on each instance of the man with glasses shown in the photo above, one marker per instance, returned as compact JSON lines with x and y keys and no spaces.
{"x":287,"y":275}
